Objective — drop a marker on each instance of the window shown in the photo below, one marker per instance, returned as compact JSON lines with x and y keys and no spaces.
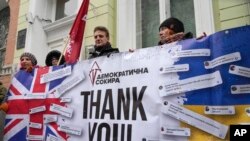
{"x":140,"y":20}
{"x":148,"y":19}
{"x":4,"y":28}
{"x":2,"y":57}
{"x":21,"y":38}
{"x":65,"y":8}
{"x":184,"y":11}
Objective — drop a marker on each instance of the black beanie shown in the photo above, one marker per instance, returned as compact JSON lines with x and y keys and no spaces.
{"x":54,"y":54}
{"x":30,"y":56}
{"x":173,"y":24}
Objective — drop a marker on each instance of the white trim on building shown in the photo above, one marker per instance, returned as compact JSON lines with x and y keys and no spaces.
{"x":126,"y":24}
{"x":204,"y":20}
{"x":44,"y":33}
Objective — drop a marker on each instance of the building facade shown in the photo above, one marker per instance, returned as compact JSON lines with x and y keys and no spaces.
{"x":9,"y":10}
{"x":44,"y":25}
{"x":8,"y":31}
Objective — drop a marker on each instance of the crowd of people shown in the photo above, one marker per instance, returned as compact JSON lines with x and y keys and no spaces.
{"x":170,"y":30}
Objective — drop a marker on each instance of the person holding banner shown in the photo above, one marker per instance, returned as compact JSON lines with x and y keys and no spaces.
{"x":172,"y":30}
{"x":102,"y":45}
{"x":52,"y":58}
{"x":27,"y":63}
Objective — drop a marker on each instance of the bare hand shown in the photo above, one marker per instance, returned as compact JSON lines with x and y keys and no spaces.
{"x":4,"y":106}
{"x":175,"y":37}
{"x":29,"y":69}
{"x":202,"y":36}
{"x":131,"y":50}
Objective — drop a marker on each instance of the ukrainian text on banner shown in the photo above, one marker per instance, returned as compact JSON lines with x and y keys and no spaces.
{"x":119,"y":100}
{"x":190,"y":90}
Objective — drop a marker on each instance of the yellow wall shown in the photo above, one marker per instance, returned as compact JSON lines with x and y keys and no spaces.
{"x":101,"y":13}
{"x":22,"y":24}
{"x":231,"y":13}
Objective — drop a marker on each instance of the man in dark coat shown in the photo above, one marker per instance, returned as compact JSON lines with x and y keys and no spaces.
{"x":102,"y":45}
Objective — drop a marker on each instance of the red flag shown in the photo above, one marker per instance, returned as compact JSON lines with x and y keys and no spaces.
{"x":76,"y":34}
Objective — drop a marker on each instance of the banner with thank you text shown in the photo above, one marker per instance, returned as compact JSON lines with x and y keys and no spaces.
{"x":189,"y":90}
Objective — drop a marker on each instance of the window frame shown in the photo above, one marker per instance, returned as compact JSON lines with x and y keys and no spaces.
{"x":21,"y":38}
{"x":126,"y":11}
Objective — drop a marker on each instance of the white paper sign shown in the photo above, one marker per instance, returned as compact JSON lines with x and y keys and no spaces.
{"x":238,"y":70}
{"x":175,"y":131}
{"x":192,"y":53}
{"x":244,"y":123}
{"x":53,"y":138}
{"x":35,"y":125}
{"x":35,"y":137}
{"x":174,"y":68}
{"x":56,"y":74}
{"x":148,"y":139}
{"x":65,"y":99}
{"x":67,"y":112}
{"x":199,"y":121}
{"x":232,"y":57}
{"x":70,"y":129}
{"x":35,"y":96}
{"x":49,"y":118}
{"x":220,"y":110}
{"x":68,"y":85}
{"x":37,"y":109}
{"x":191,"y":84}
{"x":240,"y":89}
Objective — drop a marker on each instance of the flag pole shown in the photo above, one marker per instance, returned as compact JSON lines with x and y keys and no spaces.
{"x":66,"y":42}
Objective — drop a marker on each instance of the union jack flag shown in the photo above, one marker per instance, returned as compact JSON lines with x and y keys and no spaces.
{"x":19,"y":117}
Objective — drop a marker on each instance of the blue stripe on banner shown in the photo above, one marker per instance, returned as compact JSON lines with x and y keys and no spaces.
{"x":221,"y":43}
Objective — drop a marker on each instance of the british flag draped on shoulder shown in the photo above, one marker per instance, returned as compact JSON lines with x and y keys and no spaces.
{"x":36,"y":105}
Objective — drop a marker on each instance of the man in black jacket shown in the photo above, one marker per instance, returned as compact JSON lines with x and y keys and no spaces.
{"x":102,"y":45}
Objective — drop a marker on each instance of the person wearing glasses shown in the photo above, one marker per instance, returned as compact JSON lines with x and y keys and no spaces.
{"x":102,"y":45}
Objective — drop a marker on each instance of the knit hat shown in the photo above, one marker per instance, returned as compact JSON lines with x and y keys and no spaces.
{"x":30,"y":56}
{"x":174,"y":24}
{"x":54,"y":54}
